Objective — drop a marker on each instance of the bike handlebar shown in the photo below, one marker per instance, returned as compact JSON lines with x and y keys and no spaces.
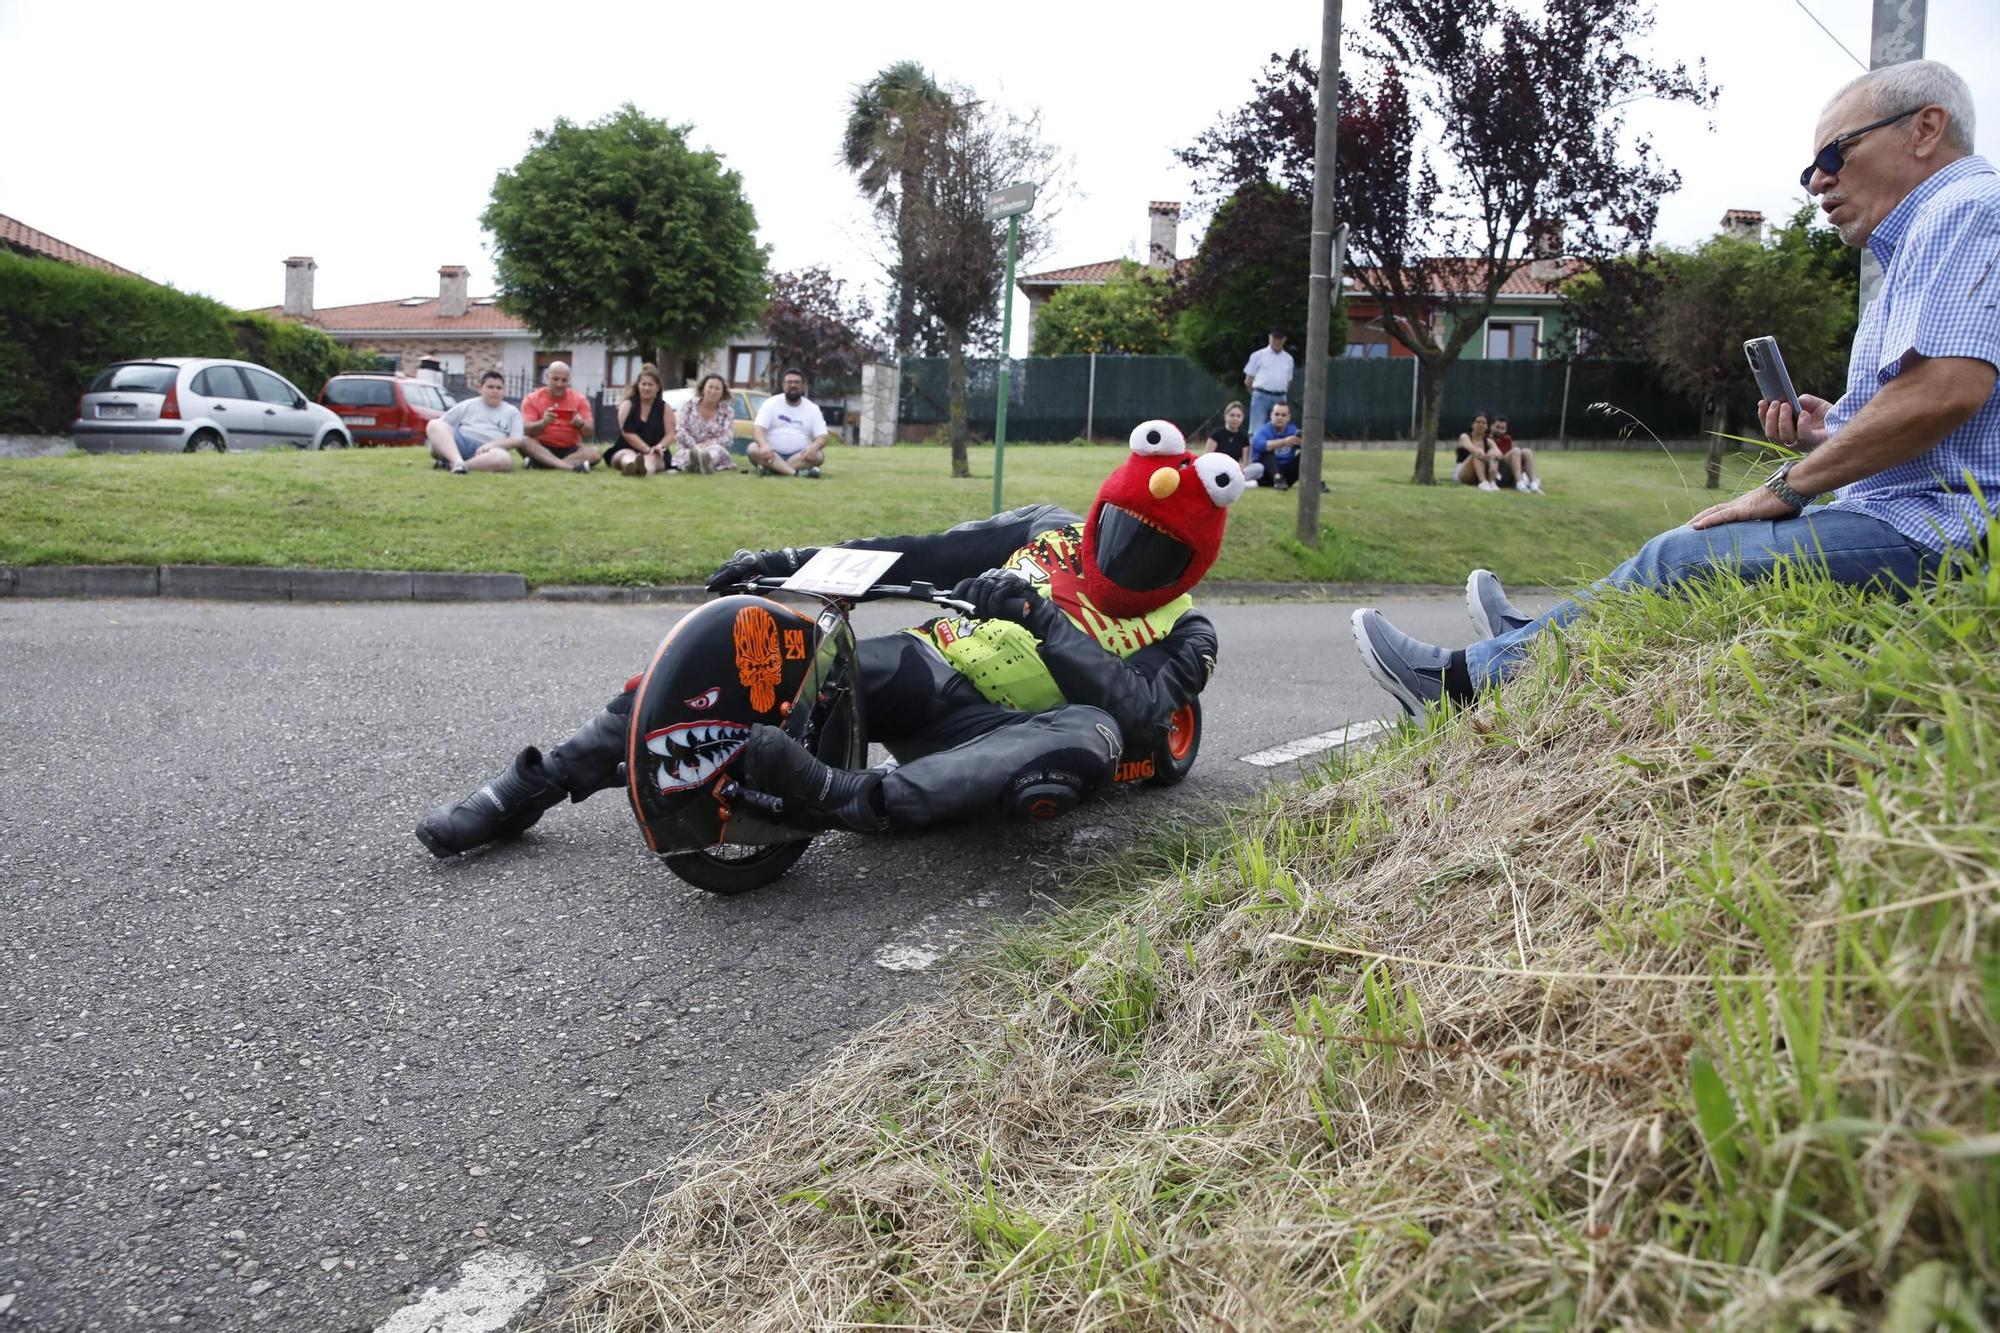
{"x":915,"y":591}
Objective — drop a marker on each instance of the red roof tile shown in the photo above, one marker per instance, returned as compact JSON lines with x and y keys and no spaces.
{"x":396,"y":317}
{"x":20,"y":236}
{"x":1083,"y":273}
{"x":1467,"y":276}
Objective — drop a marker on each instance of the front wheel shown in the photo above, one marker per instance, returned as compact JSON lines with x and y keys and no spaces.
{"x":1178,"y":748}
{"x":333,"y":439}
{"x":204,"y":439}
{"x":729,"y":870}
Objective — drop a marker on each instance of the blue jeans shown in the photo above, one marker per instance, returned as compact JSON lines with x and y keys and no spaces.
{"x":1847,"y":547}
{"x":1261,"y":402}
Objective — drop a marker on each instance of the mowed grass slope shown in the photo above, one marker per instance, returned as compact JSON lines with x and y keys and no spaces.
{"x":1661,"y":991}
{"x":388,"y":509}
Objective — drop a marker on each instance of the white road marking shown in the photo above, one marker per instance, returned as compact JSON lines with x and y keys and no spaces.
{"x":906,"y":957}
{"x":490,"y":1290}
{"x":1352,"y":734}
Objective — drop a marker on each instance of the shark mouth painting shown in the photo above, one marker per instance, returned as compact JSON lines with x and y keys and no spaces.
{"x":693,"y":752}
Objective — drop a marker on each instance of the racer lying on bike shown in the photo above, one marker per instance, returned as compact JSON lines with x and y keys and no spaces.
{"x":1082,"y":641}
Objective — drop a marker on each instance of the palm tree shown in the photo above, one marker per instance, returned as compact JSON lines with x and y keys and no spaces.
{"x":885,"y":117}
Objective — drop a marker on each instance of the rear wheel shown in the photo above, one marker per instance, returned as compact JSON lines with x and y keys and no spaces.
{"x":1178,"y":748}
{"x":204,"y":439}
{"x":333,"y":439}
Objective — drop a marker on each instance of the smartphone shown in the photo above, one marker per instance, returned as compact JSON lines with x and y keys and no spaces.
{"x":1768,"y":365}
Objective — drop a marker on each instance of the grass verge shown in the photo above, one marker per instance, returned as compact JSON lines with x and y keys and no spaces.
{"x":1661,"y":990}
{"x":387,"y":509}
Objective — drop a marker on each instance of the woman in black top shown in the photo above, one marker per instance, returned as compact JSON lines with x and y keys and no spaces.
{"x":1230,"y":437}
{"x":645,"y":427}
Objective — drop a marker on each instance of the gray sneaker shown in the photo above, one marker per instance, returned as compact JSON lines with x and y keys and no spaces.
{"x":1486,"y":602}
{"x":1410,"y":669}
{"x":812,"y":472}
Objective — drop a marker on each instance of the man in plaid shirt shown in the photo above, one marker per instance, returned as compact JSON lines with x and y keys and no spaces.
{"x":1902,"y":450}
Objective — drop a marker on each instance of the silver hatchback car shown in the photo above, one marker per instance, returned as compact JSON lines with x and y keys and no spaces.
{"x":186,"y":404}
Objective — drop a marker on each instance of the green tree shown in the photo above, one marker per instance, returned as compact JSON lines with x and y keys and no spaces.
{"x":1248,"y":277}
{"x":1689,"y":312}
{"x":618,"y":229}
{"x":877,"y":146}
{"x":1125,"y":314}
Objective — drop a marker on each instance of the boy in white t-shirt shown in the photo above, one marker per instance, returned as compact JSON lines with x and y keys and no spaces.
{"x":790,"y":431}
{"x":479,"y":433}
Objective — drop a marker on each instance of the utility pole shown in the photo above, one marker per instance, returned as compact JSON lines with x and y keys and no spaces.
{"x":1009,"y":203}
{"x":1896,"y":35}
{"x":1320,"y":264}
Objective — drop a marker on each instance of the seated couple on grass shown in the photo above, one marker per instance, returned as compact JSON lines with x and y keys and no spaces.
{"x":1910,"y":453}
{"x":1489,"y":459}
{"x":483,"y":434}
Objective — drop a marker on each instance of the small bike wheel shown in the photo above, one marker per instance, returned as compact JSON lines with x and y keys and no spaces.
{"x":1178,"y":748}
{"x":729,"y":870}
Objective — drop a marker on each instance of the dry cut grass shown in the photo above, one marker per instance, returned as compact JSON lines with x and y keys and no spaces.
{"x":1661,"y":991}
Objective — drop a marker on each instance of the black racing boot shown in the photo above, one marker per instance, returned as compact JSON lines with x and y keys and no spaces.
{"x":503,"y":808}
{"x":810,"y":794}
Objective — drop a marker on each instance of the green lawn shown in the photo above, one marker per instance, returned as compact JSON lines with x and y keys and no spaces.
{"x":388,"y":509}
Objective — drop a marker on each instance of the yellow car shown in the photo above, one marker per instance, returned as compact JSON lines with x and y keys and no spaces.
{"x":744,"y":402}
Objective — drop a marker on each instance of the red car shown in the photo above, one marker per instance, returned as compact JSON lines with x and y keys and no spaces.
{"x":383,"y":409}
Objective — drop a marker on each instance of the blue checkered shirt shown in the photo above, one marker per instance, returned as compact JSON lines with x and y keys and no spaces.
{"x":1940,"y":296}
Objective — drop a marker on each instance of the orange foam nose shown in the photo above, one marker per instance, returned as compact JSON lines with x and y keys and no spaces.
{"x":1165,"y":482}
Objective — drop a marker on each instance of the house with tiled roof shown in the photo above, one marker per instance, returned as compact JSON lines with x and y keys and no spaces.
{"x":22,"y":239}
{"x":1163,"y":220}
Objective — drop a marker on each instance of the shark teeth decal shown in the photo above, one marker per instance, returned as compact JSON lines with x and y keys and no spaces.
{"x":693,"y":752}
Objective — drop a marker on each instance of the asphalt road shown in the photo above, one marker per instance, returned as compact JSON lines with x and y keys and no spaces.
{"x":267,"y":1062}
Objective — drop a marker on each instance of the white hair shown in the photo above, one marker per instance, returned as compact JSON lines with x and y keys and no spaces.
{"x":1916,"y":83}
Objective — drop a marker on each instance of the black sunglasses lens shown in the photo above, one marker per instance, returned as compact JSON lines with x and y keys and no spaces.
{"x":1829,"y":162}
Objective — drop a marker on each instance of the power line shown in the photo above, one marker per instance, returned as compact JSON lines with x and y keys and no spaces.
{"x":1829,"y":32}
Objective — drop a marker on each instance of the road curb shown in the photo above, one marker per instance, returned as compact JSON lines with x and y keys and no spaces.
{"x":256,"y":583}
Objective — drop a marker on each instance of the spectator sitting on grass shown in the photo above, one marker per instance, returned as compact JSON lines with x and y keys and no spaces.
{"x":479,"y":433}
{"x":1276,"y":447}
{"x":1911,"y":451}
{"x":791,"y":433}
{"x":557,"y":419}
{"x":1478,"y":457}
{"x":645,"y":427}
{"x":1517,"y":463}
{"x":707,"y":425}
{"x":1230,"y":438}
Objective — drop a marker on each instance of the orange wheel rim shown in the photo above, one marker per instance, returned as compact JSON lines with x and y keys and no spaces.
{"x":1180,"y":732}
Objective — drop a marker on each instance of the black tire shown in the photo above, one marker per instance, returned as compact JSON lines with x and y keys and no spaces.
{"x":333,"y":439}
{"x":204,"y":439}
{"x":734,"y":869}
{"x":1177,"y":750}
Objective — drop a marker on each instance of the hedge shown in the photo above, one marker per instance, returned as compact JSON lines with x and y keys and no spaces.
{"x":60,"y":325}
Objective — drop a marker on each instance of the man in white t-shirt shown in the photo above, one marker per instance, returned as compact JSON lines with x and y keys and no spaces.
{"x":479,"y":433}
{"x":1268,"y":377}
{"x":791,"y":433}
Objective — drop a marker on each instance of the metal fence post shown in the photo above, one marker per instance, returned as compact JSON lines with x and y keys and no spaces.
{"x":1562,"y":428}
{"x":1413,"y":397}
{"x":1090,"y":401}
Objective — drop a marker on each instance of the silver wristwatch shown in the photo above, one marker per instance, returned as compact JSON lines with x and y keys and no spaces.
{"x":1778,"y":484}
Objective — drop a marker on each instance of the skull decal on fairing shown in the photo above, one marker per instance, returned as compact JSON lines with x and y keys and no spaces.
{"x":758,"y":664}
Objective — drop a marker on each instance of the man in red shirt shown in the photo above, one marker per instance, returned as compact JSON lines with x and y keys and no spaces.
{"x":557,"y":418}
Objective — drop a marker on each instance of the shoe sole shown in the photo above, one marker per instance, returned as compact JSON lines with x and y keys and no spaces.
{"x":1383,"y":676}
{"x":430,"y":842}
{"x":1485,"y":627}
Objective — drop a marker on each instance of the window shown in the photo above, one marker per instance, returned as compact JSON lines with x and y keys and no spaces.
{"x":621,"y":368}
{"x":543,"y":360}
{"x":360,"y":393}
{"x":134,"y":378}
{"x":1361,"y":351}
{"x":268,"y":387}
{"x":424,"y":395}
{"x":451,"y":363}
{"x":749,"y":366}
{"x":221,"y":382}
{"x":1511,"y":339}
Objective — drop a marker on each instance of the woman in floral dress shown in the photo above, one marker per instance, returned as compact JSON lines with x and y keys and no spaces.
{"x":707,"y":426}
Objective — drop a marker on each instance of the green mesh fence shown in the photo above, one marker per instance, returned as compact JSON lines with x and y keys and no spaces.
{"x":1062,"y":397}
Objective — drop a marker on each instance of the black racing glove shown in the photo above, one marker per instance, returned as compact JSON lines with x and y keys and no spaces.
{"x":747,"y":565}
{"x":999,"y":594}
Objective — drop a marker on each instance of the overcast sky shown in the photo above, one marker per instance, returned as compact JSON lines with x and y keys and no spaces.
{"x":200,"y":144}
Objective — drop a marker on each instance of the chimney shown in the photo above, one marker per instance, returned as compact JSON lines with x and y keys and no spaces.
{"x":1165,"y":218}
{"x":1745,"y":224}
{"x":299,"y":287}
{"x":1545,"y":245}
{"x":452,"y":301}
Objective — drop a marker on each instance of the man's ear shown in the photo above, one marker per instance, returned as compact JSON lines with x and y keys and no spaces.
{"x":1927,"y":129}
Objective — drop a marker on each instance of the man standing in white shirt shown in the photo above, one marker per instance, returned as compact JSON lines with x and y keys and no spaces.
{"x":791,"y":433}
{"x":1268,"y":377}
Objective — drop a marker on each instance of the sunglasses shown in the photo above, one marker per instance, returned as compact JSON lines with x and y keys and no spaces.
{"x":1830,"y":159}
